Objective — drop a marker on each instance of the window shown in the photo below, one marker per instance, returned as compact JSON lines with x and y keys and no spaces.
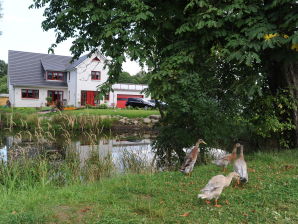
{"x":55,"y":76}
{"x":55,"y":95}
{"x":107,"y":97}
{"x":95,"y":75}
{"x":30,"y":93}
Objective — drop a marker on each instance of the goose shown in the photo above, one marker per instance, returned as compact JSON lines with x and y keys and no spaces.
{"x":215,"y":187}
{"x":227,"y":159}
{"x":191,"y":158}
{"x":240,"y":167}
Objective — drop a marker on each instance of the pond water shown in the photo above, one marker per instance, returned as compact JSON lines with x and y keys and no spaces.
{"x":118,"y":148}
{"x":123,"y":151}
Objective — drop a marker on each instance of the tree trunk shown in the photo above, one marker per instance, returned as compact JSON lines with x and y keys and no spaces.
{"x":291,"y":81}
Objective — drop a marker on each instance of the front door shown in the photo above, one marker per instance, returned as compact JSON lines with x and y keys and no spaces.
{"x":55,"y":95}
{"x":88,"y":98}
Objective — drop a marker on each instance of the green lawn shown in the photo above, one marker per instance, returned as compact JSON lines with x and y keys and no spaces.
{"x":112,"y":112}
{"x":271,"y":196}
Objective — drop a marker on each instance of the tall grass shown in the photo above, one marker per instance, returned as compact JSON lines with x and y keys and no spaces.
{"x":136,"y":162}
{"x":37,"y":161}
{"x":41,"y":171}
{"x":57,"y":122}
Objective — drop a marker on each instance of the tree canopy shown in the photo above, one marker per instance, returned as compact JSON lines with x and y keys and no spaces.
{"x":139,"y":78}
{"x":3,"y":77}
{"x":226,"y":69}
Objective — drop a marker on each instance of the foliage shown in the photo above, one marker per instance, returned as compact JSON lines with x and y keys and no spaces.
{"x":270,"y":196}
{"x":49,"y":99}
{"x":3,"y":68}
{"x":3,"y":84}
{"x":3,"y":76}
{"x":139,"y":78}
{"x":210,"y":61}
{"x":125,"y":77}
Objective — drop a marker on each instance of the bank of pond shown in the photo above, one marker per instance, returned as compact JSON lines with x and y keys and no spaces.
{"x":108,"y":178}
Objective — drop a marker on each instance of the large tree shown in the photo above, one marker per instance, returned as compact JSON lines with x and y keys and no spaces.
{"x":3,"y":77}
{"x":210,"y":60}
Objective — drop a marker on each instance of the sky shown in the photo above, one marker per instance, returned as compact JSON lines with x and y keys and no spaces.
{"x":21,"y":30}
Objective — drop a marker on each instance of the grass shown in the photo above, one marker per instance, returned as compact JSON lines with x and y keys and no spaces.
{"x":270,"y":196}
{"x":130,"y":113}
{"x":76,"y":120}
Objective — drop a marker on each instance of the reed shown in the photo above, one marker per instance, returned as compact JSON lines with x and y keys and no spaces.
{"x":136,"y":162}
{"x":57,"y":122}
{"x":35,"y":160}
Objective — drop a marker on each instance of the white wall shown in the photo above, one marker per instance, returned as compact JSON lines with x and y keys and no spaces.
{"x":41,"y":101}
{"x":72,"y":87}
{"x":84,"y":81}
{"x":11,"y":95}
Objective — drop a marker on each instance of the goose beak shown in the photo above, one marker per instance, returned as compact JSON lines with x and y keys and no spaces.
{"x":204,"y":142}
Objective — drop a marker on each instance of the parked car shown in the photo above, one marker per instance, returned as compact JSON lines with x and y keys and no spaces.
{"x":139,"y":102}
{"x":162,"y":104}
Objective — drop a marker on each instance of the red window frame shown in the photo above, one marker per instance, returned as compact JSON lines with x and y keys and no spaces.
{"x":25,"y":93}
{"x":58,"y":77}
{"x":95,"y":75}
{"x":107,"y":97}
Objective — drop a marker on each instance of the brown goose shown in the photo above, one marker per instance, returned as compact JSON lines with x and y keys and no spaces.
{"x":227,"y":159}
{"x":191,"y":158}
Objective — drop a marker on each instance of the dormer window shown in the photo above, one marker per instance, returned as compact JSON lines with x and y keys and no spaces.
{"x":95,"y":75}
{"x":55,"y":76}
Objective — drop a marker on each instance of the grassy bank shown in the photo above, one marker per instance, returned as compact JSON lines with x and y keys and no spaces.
{"x":82,"y":119}
{"x":115,"y":112}
{"x":130,"y":113}
{"x":271,"y":196}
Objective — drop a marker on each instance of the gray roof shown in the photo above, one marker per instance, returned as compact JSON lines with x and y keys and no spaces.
{"x":76,"y":62}
{"x":27,"y":68}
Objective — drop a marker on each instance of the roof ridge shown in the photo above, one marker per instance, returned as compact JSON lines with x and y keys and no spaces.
{"x":41,"y":53}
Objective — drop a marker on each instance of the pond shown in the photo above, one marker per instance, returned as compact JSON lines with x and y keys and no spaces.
{"x":45,"y":158}
{"x":116,"y":147}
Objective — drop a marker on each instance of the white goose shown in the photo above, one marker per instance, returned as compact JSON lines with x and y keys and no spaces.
{"x":240,"y":167}
{"x":215,"y":187}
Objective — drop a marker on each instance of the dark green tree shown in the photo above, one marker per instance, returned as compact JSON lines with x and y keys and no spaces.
{"x":3,"y":68}
{"x":213,"y":62}
{"x":125,"y":77}
{"x":3,"y":77}
{"x":141,"y":77}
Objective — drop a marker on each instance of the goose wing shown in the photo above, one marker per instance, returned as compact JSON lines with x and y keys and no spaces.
{"x":187,"y":162}
{"x":240,"y":167}
{"x":214,"y":184}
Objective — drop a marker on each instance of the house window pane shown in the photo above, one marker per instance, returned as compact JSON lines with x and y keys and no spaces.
{"x":95,"y":75}
{"x":55,"y":76}
{"x":24,"y":93}
{"x":60,"y":76}
{"x":30,"y":93}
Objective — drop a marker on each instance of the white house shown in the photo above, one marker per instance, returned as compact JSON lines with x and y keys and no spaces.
{"x":34,"y":77}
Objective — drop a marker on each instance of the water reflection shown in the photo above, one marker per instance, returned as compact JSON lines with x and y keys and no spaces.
{"x":125,"y":152}
{"x":116,"y":147}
